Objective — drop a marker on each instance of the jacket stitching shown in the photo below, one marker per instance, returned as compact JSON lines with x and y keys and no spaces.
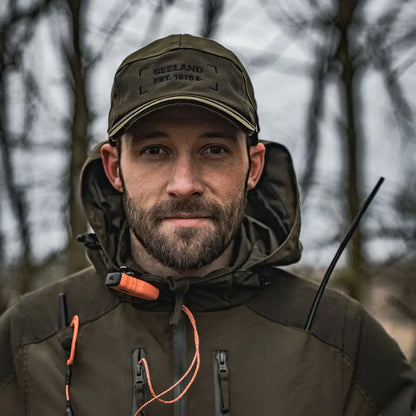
{"x":350,"y":363}
{"x":92,"y":317}
{"x":289,"y":323}
{"x":46,"y":335}
{"x":332,"y":344}
{"x":26,"y":389}
{"x":354,"y":382}
{"x":365,"y":396}
{"x":7,"y":381}
{"x":347,"y":360}
{"x":40,"y":337}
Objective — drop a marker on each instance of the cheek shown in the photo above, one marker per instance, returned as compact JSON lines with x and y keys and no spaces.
{"x":136,"y":179}
{"x":140,"y":189}
{"x":229,"y":184}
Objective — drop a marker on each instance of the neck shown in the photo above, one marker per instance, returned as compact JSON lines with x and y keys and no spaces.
{"x":152,"y":266}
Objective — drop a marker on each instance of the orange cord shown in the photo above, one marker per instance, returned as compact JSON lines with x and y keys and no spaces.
{"x":75,"y":325}
{"x":70,"y":361}
{"x":196,"y":360}
{"x":67,"y":392}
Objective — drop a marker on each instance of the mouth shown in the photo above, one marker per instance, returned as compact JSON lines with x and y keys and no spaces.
{"x":187,"y":220}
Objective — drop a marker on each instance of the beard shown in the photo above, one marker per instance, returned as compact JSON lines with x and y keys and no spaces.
{"x":185,"y":248}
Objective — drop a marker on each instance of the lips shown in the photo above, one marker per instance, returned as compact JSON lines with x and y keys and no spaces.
{"x":187,"y":220}
{"x":186,"y":216}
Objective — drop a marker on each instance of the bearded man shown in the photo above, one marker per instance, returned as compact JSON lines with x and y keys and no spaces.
{"x":187,"y":310}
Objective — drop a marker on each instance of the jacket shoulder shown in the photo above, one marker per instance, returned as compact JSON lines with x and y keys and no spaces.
{"x":35,"y":316}
{"x":11,"y":401}
{"x":380,"y":371}
{"x":288,"y":300}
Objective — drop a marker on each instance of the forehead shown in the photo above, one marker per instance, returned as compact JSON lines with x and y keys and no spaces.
{"x":186,"y":117}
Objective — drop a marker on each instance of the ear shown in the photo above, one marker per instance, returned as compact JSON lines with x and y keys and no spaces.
{"x":257,"y":154}
{"x":111,"y":163}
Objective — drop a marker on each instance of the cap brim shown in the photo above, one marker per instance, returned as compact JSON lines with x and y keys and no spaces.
{"x":122,"y":125}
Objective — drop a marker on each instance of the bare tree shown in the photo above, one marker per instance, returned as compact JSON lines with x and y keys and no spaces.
{"x":347,"y":46}
{"x":212,"y":10}
{"x":81,"y":62}
{"x":74,"y":52}
{"x":16,"y":31}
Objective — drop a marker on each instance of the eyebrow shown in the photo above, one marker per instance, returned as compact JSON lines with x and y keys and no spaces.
{"x":152,"y":134}
{"x":155,"y":134}
{"x":220,"y":135}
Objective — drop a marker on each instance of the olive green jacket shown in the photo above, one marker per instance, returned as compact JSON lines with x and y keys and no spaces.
{"x":256,"y":356}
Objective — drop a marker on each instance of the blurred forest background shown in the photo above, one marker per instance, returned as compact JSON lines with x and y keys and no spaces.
{"x":335,"y":82}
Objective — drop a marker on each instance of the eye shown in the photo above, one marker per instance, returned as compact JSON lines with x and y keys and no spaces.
{"x":154,"y":151}
{"x":215,"y":150}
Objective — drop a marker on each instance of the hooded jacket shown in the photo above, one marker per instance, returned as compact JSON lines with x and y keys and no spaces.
{"x":255,"y":355}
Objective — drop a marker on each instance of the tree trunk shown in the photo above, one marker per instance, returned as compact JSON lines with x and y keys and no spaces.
{"x":80,"y":137}
{"x":353,"y":149}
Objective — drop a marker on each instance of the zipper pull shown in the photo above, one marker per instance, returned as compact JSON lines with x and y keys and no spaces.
{"x":139,"y":381}
{"x":222,"y":362}
{"x":223,"y":382}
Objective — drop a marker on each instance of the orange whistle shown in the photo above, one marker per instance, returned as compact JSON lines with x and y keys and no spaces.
{"x":131,"y":286}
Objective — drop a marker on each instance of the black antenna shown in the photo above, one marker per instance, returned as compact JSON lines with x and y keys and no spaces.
{"x":63,"y":315}
{"x":341,"y":248}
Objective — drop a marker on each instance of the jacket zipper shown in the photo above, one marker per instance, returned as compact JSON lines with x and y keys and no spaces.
{"x":139,"y":381}
{"x":221,"y":384}
{"x":179,"y":365}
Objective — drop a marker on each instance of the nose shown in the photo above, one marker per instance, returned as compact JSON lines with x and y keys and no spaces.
{"x":185,"y":181}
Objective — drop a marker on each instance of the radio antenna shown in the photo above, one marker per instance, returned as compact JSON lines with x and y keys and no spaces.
{"x":341,"y":248}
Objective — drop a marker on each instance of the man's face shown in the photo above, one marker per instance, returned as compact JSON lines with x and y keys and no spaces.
{"x":184,"y":172}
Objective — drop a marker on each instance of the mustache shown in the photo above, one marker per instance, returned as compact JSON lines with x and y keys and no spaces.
{"x":174,"y":208}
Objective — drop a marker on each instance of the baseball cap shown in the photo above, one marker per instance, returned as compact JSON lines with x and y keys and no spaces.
{"x":182,"y":69}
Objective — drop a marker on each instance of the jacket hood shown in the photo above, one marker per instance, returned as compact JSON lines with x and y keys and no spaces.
{"x":269,"y":235}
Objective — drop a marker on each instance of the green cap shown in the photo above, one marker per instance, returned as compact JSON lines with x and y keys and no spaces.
{"x":182,"y":69}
